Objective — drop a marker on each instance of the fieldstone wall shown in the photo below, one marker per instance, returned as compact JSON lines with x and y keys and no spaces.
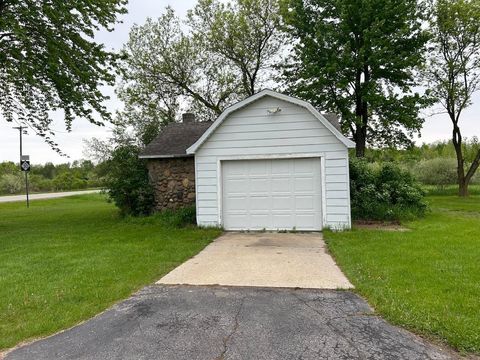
{"x":173,"y":181}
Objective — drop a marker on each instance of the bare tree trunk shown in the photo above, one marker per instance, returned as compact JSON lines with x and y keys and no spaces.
{"x":462,"y":180}
{"x":360,"y":141}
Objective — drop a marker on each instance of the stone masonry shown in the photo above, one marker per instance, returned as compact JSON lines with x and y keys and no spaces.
{"x":174,"y":182}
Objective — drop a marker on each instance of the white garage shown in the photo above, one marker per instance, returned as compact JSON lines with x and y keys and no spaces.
{"x":272,"y":162}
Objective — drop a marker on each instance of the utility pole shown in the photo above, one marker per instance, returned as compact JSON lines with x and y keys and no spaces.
{"x":22,"y":130}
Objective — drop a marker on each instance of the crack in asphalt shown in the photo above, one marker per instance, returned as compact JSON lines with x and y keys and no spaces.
{"x":234,"y":330}
{"x":329,"y":322}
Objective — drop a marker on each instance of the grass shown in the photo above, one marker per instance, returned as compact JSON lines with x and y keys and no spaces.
{"x":65,"y":260}
{"x":474,"y":189}
{"x":426,"y":279}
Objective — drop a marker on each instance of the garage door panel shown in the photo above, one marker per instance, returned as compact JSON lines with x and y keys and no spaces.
{"x":304,"y":202}
{"x":237,"y":203}
{"x":281,"y":184}
{"x":304,"y":184}
{"x":284,"y":203}
{"x":236,"y":186}
{"x":259,"y":221}
{"x":258,"y":168}
{"x":303,"y":166}
{"x":281,"y":167}
{"x":305,"y":221}
{"x":282,"y":221}
{"x":237,"y":168}
{"x":237,"y":221}
{"x":261,"y":185}
{"x":273,"y":194}
{"x":259,"y":203}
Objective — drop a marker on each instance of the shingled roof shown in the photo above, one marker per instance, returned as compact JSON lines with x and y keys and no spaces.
{"x":175,"y":139}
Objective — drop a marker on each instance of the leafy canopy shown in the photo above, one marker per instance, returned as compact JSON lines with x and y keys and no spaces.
{"x":358,"y":58}
{"x":221,"y":53}
{"x":49,"y":60}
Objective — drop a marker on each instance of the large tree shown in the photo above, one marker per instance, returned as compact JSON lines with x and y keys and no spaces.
{"x":50,"y":61}
{"x":358,"y":58}
{"x":454,"y":71}
{"x":221,"y":53}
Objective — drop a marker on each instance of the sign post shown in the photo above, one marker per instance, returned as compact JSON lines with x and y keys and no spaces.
{"x":25,"y":167}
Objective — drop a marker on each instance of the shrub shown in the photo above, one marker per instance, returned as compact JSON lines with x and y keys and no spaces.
{"x":179,"y":218}
{"x":11,"y":183}
{"x":438,"y":171}
{"x":127,"y":182}
{"x":384,"y":193}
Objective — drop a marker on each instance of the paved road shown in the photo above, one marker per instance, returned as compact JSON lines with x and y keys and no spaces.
{"x":13,"y":198}
{"x":188,"y":322}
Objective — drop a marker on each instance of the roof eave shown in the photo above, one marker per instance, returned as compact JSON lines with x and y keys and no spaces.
{"x":164,"y":156}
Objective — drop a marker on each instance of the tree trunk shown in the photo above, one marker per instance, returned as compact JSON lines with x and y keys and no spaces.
{"x":361,"y":111}
{"x":462,"y":180}
{"x":360,"y":141}
{"x":463,"y":188}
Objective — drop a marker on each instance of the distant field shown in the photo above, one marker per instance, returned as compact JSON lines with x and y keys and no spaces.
{"x":65,"y":260}
{"x":426,"y":279}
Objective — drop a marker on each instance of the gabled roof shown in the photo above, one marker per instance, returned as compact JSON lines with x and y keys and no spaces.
{"x":347,"y":142}
{"x":174,"y":140}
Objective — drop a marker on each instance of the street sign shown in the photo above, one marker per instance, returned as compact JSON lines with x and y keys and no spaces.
{"x":25,"y":163}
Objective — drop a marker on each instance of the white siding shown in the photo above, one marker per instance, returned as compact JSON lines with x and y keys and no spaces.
{"x":253,"y":133}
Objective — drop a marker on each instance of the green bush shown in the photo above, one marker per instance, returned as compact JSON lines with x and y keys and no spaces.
{"x":179,"y":218}
{"x":438,"y":171}
{"x":11,"y":183}
{"x":384,"y":192}
{"x":127,"y":182}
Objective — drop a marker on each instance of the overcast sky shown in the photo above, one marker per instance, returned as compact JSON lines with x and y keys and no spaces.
{"x":436,"y":127}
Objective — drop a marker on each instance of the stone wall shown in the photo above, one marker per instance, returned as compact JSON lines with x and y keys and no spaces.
{"x":174,"y":182}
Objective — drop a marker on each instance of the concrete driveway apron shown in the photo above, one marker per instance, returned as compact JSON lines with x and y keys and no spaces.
{"x":294,"y":260}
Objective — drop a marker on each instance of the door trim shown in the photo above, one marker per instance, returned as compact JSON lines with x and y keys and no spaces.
{"x":220,"y":159}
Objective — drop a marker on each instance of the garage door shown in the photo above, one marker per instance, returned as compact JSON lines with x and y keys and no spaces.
{"x":280,"y":194}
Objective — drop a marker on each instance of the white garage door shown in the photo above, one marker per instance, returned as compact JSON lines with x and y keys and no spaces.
{"x":280,"y":194}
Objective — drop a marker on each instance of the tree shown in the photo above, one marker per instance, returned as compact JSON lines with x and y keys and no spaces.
{"x":358,"y":58}
{"x":217,"y":56}
{"x":454,"y":71}
{"x":244,"y":32}
{"x":49,"y":60}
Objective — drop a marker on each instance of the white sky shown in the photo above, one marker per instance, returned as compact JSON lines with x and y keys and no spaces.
{"x":437,"y":127}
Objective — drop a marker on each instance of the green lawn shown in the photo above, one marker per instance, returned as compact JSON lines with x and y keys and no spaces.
{"x":65,"y":260}
{"x":427,"y":279}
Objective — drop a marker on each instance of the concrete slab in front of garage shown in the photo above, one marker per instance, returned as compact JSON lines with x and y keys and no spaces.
{"x":292,"y":260}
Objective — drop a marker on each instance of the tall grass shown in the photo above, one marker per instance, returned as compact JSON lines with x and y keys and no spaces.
{"x":474,"y":189}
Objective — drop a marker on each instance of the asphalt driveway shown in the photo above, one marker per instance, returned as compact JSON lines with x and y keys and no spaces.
{"x":267,"y":259}
{"x":199,"y":322}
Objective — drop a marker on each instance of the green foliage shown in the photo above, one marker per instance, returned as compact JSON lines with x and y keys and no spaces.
{"x":453,"y":71}
{"x":438,"y":171}
{"x":68,"y":181}
{"x":49,"y":60}
{"x":357,"y":58}
{"x":179,"y":218}
{"x":384,"y":193}
{"x":11,"y":183}
{"x":49,"y":177}
{"x":220,"y":54}
{"x":127,"y":182}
